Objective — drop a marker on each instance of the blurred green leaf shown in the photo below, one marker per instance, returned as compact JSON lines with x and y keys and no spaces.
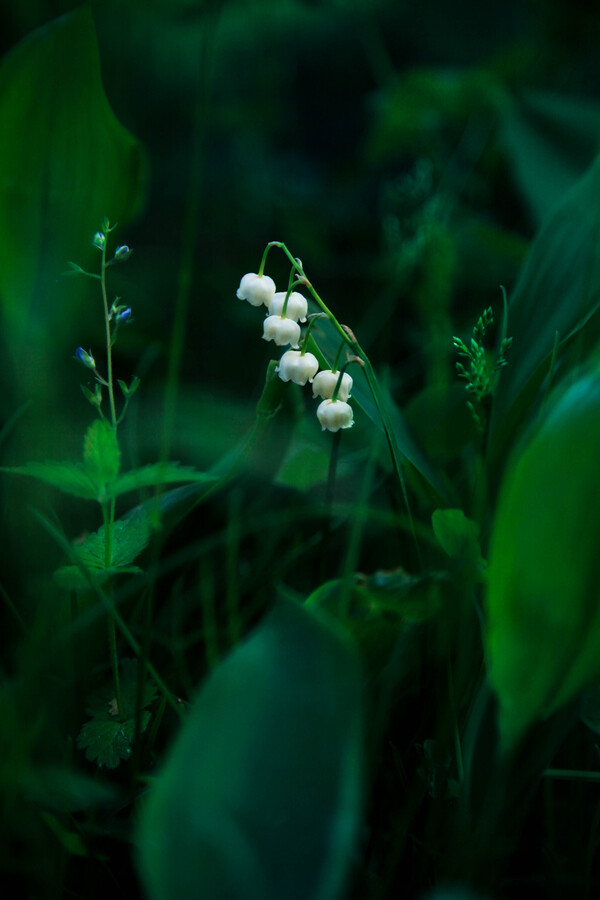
{"x":551,"y":139}
{"x":71,"y":578}
{"x":156,"y":474}
{"x":61,"y":789}
{"x":543,"y":634}
{"x":557,"y":292}
{"x":590,"y":709}
{"x":101,"y":453}
{"x":457,"y":535}
{"x":71,"y":478}
{"x":65,"y":161}
{"x":261,"y":795}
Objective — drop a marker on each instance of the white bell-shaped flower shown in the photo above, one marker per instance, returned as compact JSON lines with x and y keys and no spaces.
{"x":324,"y":385}
{"x":296,"y":309}
{"x":282,"y":331}
{"x":335,"y":414}
{"x":256,"y":289}
{"x":297,"y":367}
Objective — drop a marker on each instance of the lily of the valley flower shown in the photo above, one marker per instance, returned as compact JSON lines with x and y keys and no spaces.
{"x":296,"y":309}
{"x":325,"y":382}
{"x":335,"y":414}
{"x":256,"y":289}
{"x":281,"y":331}
{"x":297,"y":367}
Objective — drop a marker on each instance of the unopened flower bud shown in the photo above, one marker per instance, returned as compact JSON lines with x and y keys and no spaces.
{"x":99,"y":240}
{"x":297,"y":367}
{"x":122,"y":253}
{"x":296,"y":309}
{"x":256,"y":289}
{"x":325,"y":382}
{"x":335,"y":414}
{"x":86,"y":358}
{"x":281,"y":331}
{"x":124,"y":316}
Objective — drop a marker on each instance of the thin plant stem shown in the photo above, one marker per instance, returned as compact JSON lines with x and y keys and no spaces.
{"x":109,"y":378}
{"x":350,"y":339}
{"x":329,"y":492}
{"x":232,"y":594}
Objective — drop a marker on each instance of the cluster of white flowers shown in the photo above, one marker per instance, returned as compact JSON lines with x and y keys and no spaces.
{"x":296,"y":364}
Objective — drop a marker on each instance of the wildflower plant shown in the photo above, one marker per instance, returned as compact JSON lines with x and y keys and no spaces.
{"x":480,"y":369}
{"x":112,"y":552}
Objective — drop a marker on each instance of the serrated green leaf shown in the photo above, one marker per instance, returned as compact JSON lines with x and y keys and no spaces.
{"x":108,"y":737}
{"x":543,"y":623}
{"x":107,"y":741}
{"x":266,"y":812}
{"x":71,"y":478}
{"x":101,"y":452}
{"x":156,"y":474}
{"x":130,"y":535}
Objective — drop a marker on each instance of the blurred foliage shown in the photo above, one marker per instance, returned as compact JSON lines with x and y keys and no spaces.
{"x":415,"y":157}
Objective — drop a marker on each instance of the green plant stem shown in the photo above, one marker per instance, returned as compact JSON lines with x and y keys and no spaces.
{"x":108,"y":514}
{"x":572,"y":775}
{"x":109,"y":379}
{"x":114,"y":662}
{"x":329,"y":492}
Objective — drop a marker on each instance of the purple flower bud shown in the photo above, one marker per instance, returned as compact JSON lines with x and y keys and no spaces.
{"x":122,"y":253}
{"x":85,"y":358}
{"x":124,"y":316}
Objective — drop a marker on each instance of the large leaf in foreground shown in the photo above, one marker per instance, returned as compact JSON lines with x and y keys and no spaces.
{"x":260,"y":796}
{"x":65,"y":162}
{"x":543,"y":629}
{"x":557,"y":292}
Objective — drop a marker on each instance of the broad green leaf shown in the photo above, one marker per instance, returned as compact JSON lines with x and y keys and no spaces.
{"x":156,"y":474}
{"x":551,"y":139}
{"x":543,"y":624}
{"x":62,"y":789}
{"x":101,"y":453}
{"x":108,"y":736}
{"x":557,"y":292}
{"x":260,"y":796}
{"x":130,"y":535}
{"x":71,"y":478}
{"x":65,"y":162}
